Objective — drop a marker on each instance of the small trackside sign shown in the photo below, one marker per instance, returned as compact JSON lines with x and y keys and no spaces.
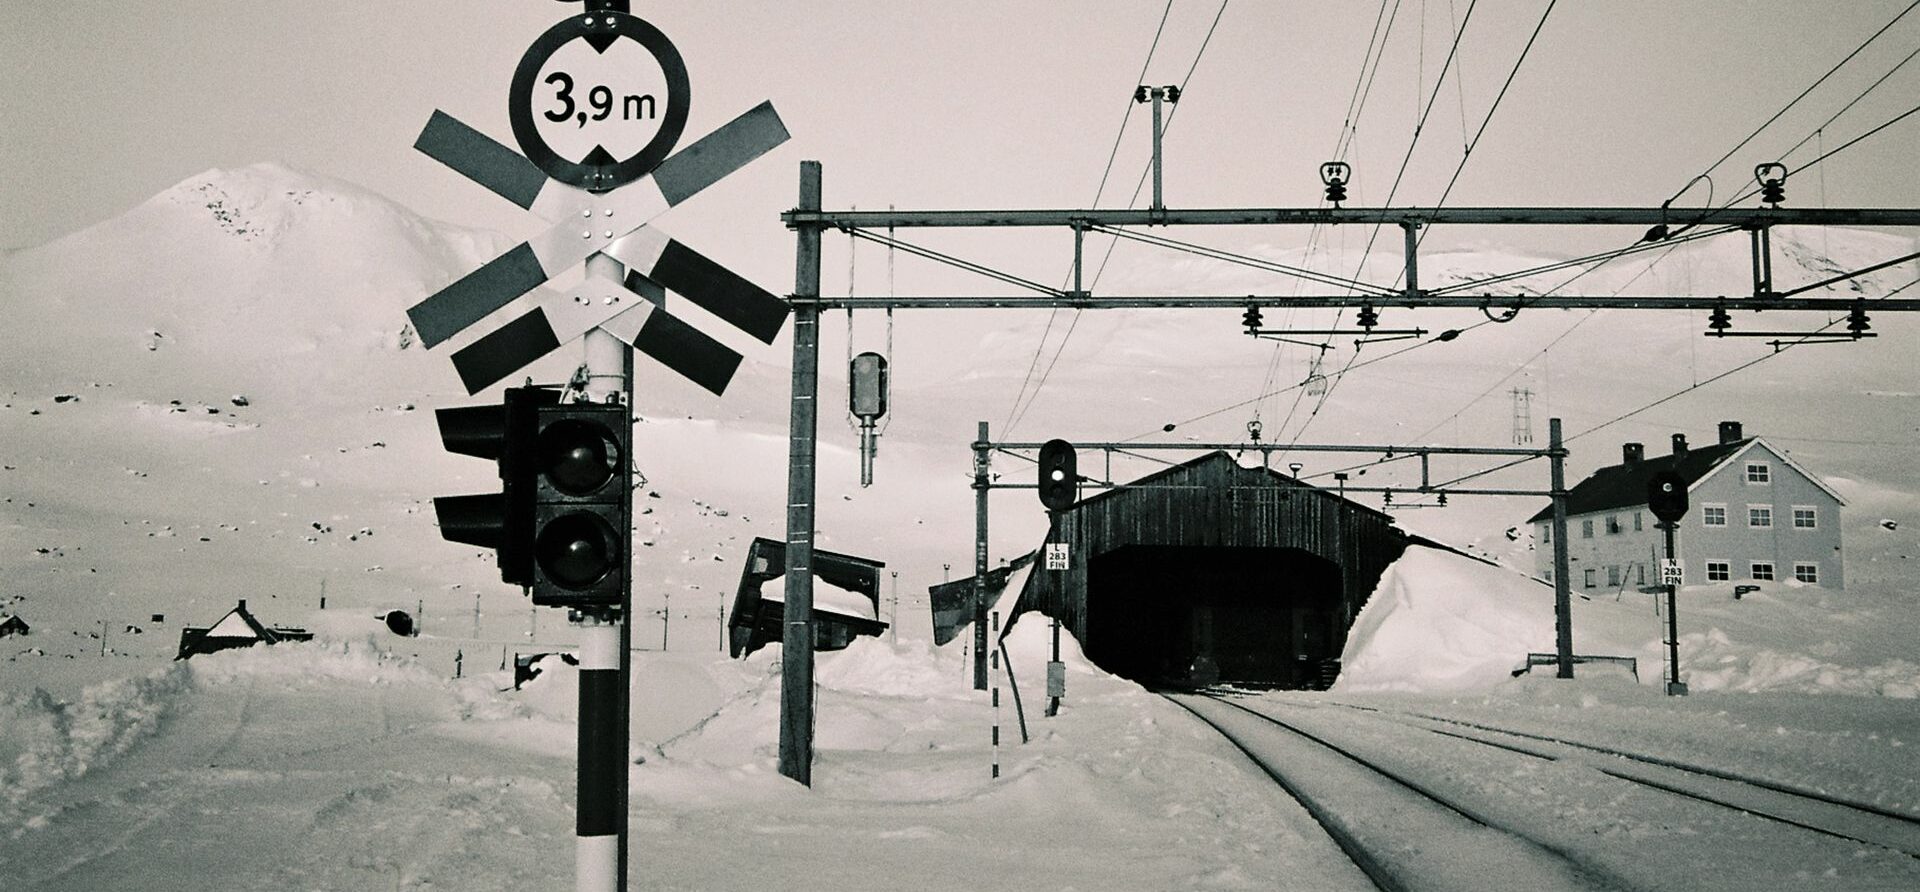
{"x":1057,"y":556}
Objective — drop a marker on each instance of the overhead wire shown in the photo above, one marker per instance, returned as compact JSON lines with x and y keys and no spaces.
{"x":1349,"y":131}
{"x":1673,"y":244}
{"x":1333,"y":382}
{"x":1112,"y":154}
{"x":1165,"y":124}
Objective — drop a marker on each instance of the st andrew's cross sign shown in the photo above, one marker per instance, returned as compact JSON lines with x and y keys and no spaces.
{"x":610,"y":218}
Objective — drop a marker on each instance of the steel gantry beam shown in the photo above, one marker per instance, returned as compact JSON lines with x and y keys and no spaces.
{"x":1743,"y":217}
{"x":1408,"y":295}
{"x":1082,"y":300}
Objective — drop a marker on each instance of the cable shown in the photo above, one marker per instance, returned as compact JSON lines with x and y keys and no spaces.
{"x":1780,"y":347}
{"x":1334,"y":382}
{"x":1673,"y":244}
{"x":1810,"y":88}
{"x":1101,"y":190}
{"x":1062,"y":348}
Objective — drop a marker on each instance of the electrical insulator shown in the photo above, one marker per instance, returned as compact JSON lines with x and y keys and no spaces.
{"x":1857,"y":318}
{"x":1335,"y":175}
{"x":1772,"y":178}
{"x":1251,"y":319}
{"x":1253,"y":430}
{"x":1368,"y":317}
{"x":1173,"y":93}
{"x":1718,"y":320}
{"x":1140,"y":93}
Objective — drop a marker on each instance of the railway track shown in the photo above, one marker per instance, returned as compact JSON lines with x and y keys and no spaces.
{"x":1403,"y":835}
{"x":1790,"y":804}
{"x":1422,"y":802}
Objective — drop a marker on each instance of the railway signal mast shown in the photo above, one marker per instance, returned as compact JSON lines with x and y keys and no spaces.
{"x":597,"y":105}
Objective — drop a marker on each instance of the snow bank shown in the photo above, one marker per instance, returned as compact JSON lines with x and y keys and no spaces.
{"x":1442,"y":622}
{"x":44,"y":742}
{"x":1715,"y":662}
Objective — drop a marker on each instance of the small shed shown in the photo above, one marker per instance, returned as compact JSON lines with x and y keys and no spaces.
{"x":757,"y":619}
{"x":11,"y":625}
{"x":1209,"y":571}
{"x":238,"y":628}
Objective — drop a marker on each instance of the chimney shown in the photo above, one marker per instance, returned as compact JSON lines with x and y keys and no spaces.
{"x":243,"y":604}
{"x":1679,"y":444}
{"x":1730,"y":432}
{"x":1631,"y":454}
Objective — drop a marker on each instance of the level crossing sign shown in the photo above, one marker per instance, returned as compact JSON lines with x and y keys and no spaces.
{"x":612,"y":217}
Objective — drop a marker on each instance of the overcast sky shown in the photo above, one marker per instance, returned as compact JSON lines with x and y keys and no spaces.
{"x":986,"y":104}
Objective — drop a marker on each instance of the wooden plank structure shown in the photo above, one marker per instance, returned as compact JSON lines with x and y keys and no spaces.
{"x":1209,"y":571}
{"x":756,"y":621}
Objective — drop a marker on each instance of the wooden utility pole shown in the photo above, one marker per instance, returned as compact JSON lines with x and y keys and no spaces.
{"x":796,"y":651}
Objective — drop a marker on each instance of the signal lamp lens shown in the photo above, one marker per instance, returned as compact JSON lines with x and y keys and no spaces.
{"x":576,"y":550}
{"x":578,"y":457}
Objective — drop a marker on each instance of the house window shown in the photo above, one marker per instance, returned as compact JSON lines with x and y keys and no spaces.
{"x":1636,"y":522}
{"x":1586,"y":529}
{"x":1546,"y":533}
{"x":1586,"y":578}
{"x":1613,"y":524}
{"x":1639,"y":572}
{"x":1613,"y":576}
{"x":1759,"y":515}
{"x":1808,"y":573}
{"x":1549,"y":575}
{"x":1759,"y":472}
{"x":1719,"y":571}
{"x":1713,"y":515}
{"x":1762,"y":570}
{"x":1805,"y":517}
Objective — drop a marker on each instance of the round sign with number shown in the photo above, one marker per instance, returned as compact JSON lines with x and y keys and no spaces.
{"x":599,"y":100}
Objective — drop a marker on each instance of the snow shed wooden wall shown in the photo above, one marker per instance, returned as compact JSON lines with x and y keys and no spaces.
{"x":1212,"y":501}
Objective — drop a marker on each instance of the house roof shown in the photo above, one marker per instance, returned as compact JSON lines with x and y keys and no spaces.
{"x":1623,"y":486}
{"x":239,"y":623}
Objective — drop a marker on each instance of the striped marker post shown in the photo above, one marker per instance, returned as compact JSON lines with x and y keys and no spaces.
{"x":996,"y":695}
{"x":603,"y":761}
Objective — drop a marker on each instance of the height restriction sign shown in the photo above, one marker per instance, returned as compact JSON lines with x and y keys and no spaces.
{"x":599,"y":100}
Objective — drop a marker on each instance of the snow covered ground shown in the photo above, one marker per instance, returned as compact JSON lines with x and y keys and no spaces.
{"x":213,"y":398}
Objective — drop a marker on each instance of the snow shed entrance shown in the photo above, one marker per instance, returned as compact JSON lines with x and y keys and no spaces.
{"x":1183,"y":614}
{"x":1210,"y":571}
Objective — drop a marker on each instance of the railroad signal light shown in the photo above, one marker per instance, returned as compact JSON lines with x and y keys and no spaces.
{"x":582,"y":492}
{"x":1667,"y":496}
{"x":1059,"y":478}
{"x":502,"y":521}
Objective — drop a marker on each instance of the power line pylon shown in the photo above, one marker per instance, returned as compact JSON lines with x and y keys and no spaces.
{"x":1522,"y":415}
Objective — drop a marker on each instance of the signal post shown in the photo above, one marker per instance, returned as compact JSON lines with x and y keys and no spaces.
{"x":597,"y":105}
